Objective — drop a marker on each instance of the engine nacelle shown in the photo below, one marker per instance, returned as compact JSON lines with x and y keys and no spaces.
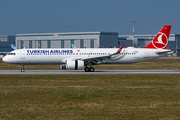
{"x":73,"y":65}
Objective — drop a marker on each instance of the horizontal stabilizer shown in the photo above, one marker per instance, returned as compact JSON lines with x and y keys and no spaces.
{"x":165,"y":52}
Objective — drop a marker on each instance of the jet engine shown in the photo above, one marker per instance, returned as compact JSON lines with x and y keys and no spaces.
{"x":73,"y":65}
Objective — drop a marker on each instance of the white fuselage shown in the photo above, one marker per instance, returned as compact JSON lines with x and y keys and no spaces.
{"x":60,"y":56}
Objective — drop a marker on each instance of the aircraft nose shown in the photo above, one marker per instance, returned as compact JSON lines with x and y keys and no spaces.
{"x":5,"y":59}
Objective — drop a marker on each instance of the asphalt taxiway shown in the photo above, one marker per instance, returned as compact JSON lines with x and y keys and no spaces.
{"x":81,"y":72}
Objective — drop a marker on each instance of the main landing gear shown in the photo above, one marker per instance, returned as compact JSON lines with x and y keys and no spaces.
{"x":22,"y":70}
{"x":87,"y":69}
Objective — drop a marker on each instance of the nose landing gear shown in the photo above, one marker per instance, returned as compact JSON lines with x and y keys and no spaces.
{"x":22,"y":70}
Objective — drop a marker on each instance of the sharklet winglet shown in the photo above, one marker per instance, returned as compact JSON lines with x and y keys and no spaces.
{"x":120,"y":49}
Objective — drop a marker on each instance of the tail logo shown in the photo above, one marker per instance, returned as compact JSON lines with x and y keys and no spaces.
{"x":160,"y":41}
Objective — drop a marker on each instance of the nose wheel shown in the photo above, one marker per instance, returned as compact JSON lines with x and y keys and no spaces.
{"x":22,"y":70}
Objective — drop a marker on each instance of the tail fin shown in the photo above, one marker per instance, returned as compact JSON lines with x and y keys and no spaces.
{"x":73,"y":46}
{"x":13,"y":47}
{"x":161,"y":39}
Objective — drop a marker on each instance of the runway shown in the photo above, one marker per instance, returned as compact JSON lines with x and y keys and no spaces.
{"x":81,"y":72}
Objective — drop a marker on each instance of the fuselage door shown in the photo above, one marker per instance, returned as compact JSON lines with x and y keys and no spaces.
{"x":78,"y":53}
{"x":22,"y":54}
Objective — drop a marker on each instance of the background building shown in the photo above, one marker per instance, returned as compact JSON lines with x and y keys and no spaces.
{"x":143,"y":40}
{"x":81,"y":40}
{"x":5,"y":43}
{"x":64,"y":40}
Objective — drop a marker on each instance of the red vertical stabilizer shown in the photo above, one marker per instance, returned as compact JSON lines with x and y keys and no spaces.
{"x":161,"y":39}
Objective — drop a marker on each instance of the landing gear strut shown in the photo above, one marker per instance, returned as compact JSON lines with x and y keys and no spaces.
{"x":87,"y":69}
{"x":22,"y":70}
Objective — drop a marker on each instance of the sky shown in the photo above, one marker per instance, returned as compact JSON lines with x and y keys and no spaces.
{"x":54,"y":16}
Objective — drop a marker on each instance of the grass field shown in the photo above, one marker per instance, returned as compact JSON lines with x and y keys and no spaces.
{"x":152,"y":64}
{"x":135,"y":97}
{"x":78,"y":97}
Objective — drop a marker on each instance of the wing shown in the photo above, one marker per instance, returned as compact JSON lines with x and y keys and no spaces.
{"x":96,"y":60}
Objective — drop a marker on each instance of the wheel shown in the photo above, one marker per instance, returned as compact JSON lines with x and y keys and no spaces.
{"x":91,"y":69}
{"x":22,"y":70}
{"x":86,"y":69}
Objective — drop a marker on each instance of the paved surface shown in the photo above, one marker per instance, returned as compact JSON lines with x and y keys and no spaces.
{"x":81,"y":72}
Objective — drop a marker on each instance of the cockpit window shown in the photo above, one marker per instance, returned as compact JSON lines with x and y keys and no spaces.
{"x":11,"y":53}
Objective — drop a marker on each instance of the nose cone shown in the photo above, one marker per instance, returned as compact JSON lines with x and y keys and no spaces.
{"x":5,"y":59}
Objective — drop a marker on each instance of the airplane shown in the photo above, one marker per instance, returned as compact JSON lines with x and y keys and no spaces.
{"x":13,"y":47}
{"x":2,"y":54}
{"x":73,"y":46}
{"x":80,"y":58}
